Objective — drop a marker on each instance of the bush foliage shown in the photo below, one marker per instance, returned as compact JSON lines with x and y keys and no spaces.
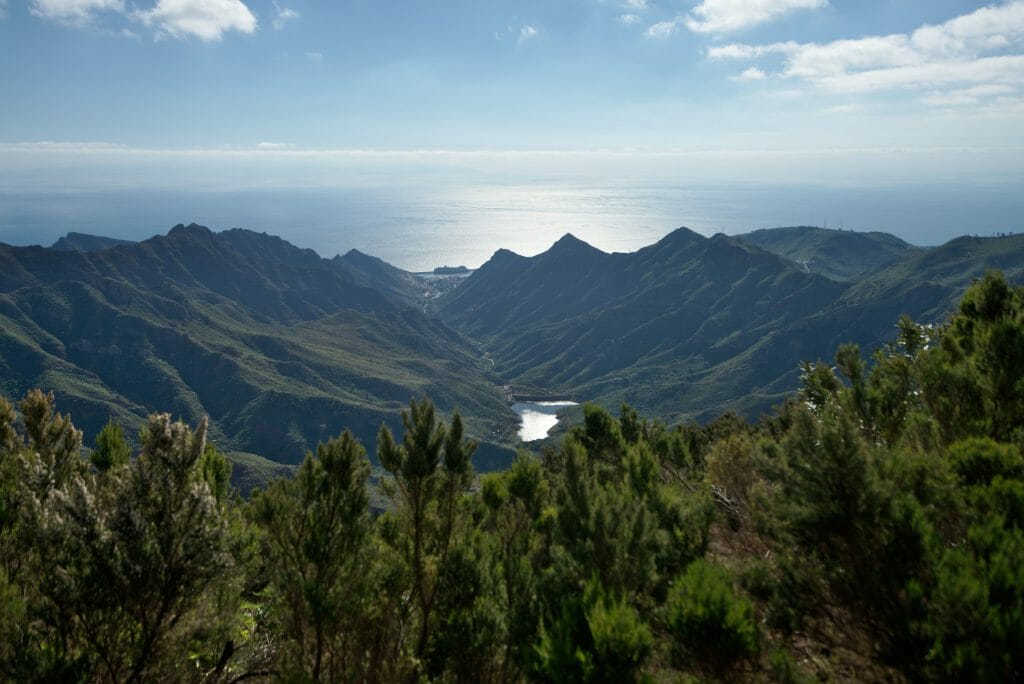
{"x":871,"y":528}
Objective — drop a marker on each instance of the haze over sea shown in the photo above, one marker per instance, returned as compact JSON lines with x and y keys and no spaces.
{"x":434,"y":133}
{"x":419,"y":226}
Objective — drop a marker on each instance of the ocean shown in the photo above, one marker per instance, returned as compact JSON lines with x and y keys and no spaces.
{"x":420,"y":226}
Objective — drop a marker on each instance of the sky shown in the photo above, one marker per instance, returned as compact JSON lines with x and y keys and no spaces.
{"x":207,"y":94}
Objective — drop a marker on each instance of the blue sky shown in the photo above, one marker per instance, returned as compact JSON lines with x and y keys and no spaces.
{"x":201,"y":90}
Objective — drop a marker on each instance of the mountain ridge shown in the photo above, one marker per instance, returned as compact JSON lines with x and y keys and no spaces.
{"x":838,"y":254}
{"x":254,"y":331}
{"x":691,"y":326}
{"x":276,"y":345}
{"x":84,"y":242}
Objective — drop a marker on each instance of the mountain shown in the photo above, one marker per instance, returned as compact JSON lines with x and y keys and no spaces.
{"x":370,"y":271}
{"x":83,"y":242}
{"x":279,"y":347}
{"x":282,"y":348}
{"x":644,"y":327}
{"x":926,"y":285}
{"x":692,"y":326}
{"x":843,"y":255}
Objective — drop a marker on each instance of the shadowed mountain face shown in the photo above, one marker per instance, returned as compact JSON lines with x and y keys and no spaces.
{"x":369,"y":271}
{"x":279,"y":347}
{"x":692,"y":326}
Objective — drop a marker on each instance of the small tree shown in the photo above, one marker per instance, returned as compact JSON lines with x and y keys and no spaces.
{"x":140,"y":567}
{"x":594,"y":637}
{"x":111,"y":449}
{"x":315,"y":529}
{"x":711,"y":625}
{"x":426,"y":490}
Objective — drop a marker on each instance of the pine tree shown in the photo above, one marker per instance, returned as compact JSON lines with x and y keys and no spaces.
{"x":315,"y":529}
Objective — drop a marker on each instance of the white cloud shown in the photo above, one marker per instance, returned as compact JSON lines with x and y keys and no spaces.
{"x":284,"y":15}
{"x":719,"y":16}
{"x":953,"y":59}
{"x":73,"y":11}
{"x":988,"y":28}
{"x":663,"y":29}
{"x":988,"y":70}
{"x":526,"y":33}
{"x":204,"y":19}
{"x":629,"y":19}
{"x":274,"y":146}
{"x":315,"y":57}
{"x":636,"y":4}
{"x":815,"y":62}
{"x":842,"y":109}
{"x":752,"y":74}
{"x":968,"y":96}
{"x":740,"y":51}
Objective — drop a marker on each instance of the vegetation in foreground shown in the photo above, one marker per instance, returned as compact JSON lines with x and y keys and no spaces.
{"x":872,"y":528}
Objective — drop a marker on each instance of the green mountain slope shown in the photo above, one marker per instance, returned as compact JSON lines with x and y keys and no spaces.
{"x":837,"y":254}
{"x":278,"y":346}
{"x":925,"y":286}
{"x":692,"y":326}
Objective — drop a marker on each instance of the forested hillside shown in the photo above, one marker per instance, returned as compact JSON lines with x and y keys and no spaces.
{"x":871,"y":528}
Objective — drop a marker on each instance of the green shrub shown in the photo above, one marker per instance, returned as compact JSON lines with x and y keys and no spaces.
{"x":621,"y":640}
{"x":711,"y":625}
{"x":595,"y":638}
{"x":979,"y":460}
{"x":976,"y":614}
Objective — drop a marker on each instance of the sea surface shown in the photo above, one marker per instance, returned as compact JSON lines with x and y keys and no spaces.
{"x":420,"y":226}
{"x":538,"y":417}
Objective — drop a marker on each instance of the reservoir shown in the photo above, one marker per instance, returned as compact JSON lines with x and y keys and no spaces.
{"x":538,"y":417}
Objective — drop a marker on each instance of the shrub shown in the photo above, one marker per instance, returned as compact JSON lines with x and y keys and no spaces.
{"x":711,"y":625}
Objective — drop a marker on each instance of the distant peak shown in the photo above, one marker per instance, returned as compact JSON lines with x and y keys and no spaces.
{"x":84,"y":242}
{"x":681,"y":235}
{"x":360,"y":257}
{"x":570,"y":239}
{"x":570,"y":244}
{"x":190,"y":229}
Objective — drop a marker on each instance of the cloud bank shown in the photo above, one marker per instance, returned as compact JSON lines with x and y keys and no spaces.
{"x":73,"y":11}
{"x":207,"y":20}
{"x":721,"y":16}
{"x":969,"y":59}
